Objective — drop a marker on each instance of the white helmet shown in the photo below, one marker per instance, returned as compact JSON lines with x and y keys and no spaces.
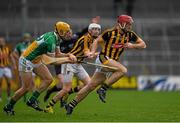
{"x":94,"y":25}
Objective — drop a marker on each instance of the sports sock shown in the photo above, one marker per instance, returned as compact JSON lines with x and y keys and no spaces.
{"x":74,"y":90}
{"x":11,"y":103}
{"x":73,"y":103}
{"x":54,"y":89}
{"x":51,"y":103}
{"x":105,"y":86}
{"x":34,"y":96}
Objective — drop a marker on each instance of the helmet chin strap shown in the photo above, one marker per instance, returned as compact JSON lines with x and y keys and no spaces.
{"x":122,"y":27}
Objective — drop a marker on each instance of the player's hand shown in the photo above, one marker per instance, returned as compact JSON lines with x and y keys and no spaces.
{"x":128,"y":45}
{"x":89,"y":55}
{"x":72,"y":58}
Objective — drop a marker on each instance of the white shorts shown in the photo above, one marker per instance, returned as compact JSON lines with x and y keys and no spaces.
{"x":69,"y":70}
{"x":99,"y":69}
{"x":5,"y":72}
{"x":26,"y":65}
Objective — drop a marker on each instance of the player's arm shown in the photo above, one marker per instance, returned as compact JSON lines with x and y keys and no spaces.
{"x":138,"y":43}
{"x":58,"y":53}
{"x":97,"y":41}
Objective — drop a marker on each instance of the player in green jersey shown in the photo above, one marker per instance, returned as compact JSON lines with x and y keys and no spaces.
{"x":30,"y":61}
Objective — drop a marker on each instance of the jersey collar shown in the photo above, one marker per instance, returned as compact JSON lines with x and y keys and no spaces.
{"x":56,"y":36}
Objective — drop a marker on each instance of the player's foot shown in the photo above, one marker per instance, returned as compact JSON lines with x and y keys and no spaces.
{"x":49,"y":110}
{"x":34,"y":105}
{"x":69,"y":109}
{"x":9,"y":111}
{"x":102,"y":94}
{"x":46,"y":97}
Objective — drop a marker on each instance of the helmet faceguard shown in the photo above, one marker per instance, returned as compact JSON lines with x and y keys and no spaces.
{"x":125,"y":22}
{"x":94,"y":29}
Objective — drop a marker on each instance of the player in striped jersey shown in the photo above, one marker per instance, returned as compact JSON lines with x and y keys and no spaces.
{"x":65,"y":47}
{"x":30,"y":61}
{"x":81,"y":48}
{"x":5,"y":71}
{"x":115,"y":40}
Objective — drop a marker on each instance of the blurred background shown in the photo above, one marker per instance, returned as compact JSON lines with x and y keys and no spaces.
{"x":156,"y":21}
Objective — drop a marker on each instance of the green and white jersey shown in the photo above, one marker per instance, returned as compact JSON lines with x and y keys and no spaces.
{"x":42,"y":45}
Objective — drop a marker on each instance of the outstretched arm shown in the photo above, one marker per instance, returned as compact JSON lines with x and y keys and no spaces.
{"x":139,"y":44}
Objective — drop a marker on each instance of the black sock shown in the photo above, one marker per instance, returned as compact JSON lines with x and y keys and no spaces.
{"x":51,"y":103}
{"x":73,"y":103}
{"x":34,"y":96}
{"x":74,"y":90}
{"x":11,"y":103}
{"x":105,"y":86}
{"x":54,"y":89}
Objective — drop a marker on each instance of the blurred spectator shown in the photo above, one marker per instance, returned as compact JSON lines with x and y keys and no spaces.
{"x":5,"y":71}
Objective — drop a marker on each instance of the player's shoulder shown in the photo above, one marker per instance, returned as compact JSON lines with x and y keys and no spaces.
{"x":47,"y":37}
{"x":108,"y":31}
{"x":133,"y":33}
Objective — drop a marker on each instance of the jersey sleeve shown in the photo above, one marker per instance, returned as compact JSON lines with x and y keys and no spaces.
{"x":133,"y":37}
{"x":86,"y":47}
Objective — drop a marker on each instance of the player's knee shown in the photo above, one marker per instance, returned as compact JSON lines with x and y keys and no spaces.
{"x":123,"y":70}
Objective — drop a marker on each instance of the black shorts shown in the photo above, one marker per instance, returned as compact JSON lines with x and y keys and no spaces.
{"x":57,"y":69}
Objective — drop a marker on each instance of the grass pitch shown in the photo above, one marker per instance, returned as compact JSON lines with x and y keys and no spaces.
{"x":121,"y":106}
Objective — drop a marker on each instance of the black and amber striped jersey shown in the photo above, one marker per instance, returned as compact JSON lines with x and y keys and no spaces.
{"x":4,"y":56}
{"x":83,"y":44}
{"x":113,"y":42}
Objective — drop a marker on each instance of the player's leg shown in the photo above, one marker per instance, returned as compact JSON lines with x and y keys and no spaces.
{"x":77,"y":86}
{"x":8,"y":77}
{"x":46,"y":79}
{"x":67,"y":85}
{"x":116,"y":75}
{"x":26,"y":78}
{"x":56,"y":87}
{"x":96,"y":80}
{"x":66,"y":88}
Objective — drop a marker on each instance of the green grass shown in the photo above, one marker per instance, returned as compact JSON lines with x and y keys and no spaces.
{"x":121,"y":106}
